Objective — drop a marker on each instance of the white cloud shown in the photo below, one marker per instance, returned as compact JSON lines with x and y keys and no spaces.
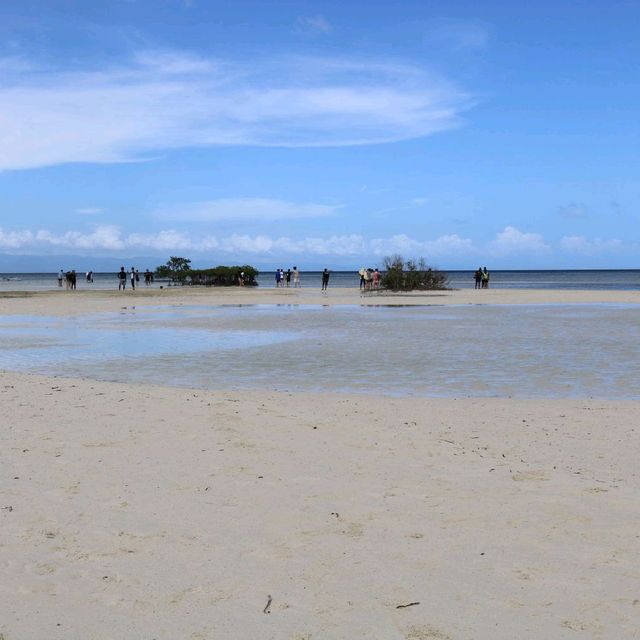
{"x":512,"y":241}
{"x":15,"y":239}
{"x":163,"y":240}
{"x":165,"y":100}
{"x":110,"y":238}
{"x":448,"y":245}
{"x":88,"y":211}
{"x":105,"y":237}
{"x":583,"y":246}
{"x":245,"y":209}
{"x":315,"y":23}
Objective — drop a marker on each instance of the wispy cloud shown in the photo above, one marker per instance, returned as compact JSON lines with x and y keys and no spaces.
{"x":583,"y":246}
{"x":457,"y":35}
{"x":317,"y":24}
{"x":88,"y":211}
{"x":165,"y":100}
{"x":245,"y":209}
{"x":574,"y":211}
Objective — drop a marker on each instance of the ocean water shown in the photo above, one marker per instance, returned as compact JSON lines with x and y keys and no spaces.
{"x":529,"y":351}
{"x":628,"y":279}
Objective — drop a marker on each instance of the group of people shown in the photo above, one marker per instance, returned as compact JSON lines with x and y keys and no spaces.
{"x":369,"y":279}
{"x":283,"y":278}
{"x":481,"y":277}
{"x":134,"y":278}
{"x":70,"y":279}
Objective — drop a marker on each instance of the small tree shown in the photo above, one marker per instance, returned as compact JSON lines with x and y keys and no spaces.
{"x":411,"y":275}
{"x":176,"y":269}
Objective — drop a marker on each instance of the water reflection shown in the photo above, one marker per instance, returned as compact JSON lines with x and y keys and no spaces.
{"x":525,"y":351}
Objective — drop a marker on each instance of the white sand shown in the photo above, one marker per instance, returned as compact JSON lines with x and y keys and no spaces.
{"x":144,"y":512}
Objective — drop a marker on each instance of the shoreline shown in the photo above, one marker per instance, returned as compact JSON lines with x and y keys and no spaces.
{"x":63,"y":303}
{"x":150,"y":511}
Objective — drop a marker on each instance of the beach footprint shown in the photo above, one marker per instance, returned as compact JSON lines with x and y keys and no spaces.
{"x":425,"y":632}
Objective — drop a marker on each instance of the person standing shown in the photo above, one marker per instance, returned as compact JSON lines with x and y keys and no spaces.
{"x":325,"y":279}
{"x":485,"y":278}
{"x":288,"y":278}
{"x":478,"y":278}
{"x":296,"y":277}
{"x":362,"y":279}
{"x":60,"y":278}
{"x":376,"y":278}
{"x":122,"y":279}
{"x":132,"y":276}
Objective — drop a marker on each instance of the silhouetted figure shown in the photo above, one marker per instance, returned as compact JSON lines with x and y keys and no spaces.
{"x":122,"y":279}
{"x":478,"y":278}
{"x":325,"y":279}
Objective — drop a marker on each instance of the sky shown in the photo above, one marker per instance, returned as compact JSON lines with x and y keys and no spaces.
{"x":321,"y":133}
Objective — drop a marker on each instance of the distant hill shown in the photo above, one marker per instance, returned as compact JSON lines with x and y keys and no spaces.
{"x":51,"y":264}
{"x":10,"y":263}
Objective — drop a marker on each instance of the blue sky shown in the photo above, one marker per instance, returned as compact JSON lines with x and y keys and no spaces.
{"x":321,"y":133}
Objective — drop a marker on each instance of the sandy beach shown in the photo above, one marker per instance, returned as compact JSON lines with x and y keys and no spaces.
{"x":145,"y":511}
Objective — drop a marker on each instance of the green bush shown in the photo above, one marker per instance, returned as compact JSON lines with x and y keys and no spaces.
{"x":222,"y":276}
{"x":411,"y":275}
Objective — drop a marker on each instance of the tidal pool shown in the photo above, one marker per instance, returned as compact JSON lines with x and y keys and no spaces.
{"x":520,"y":351}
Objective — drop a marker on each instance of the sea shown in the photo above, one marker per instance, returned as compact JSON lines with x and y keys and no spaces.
{"x":613,"y":279}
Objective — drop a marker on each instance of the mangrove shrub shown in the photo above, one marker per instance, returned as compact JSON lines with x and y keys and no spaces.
{"x":410,"y":275}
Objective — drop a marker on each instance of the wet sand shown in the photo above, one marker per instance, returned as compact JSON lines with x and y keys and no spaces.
{"x":132,"y":511}
{"x":62,"y":303}
{"x":147,"y":512}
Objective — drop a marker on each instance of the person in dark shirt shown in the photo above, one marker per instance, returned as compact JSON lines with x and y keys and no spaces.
{"x":325,"y":279}
{"x":478,"y":278}
{"x":122,"y":279}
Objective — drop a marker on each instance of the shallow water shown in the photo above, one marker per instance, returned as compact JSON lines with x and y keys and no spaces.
{"x":521,"y":351}
{"x":611,"y":279}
